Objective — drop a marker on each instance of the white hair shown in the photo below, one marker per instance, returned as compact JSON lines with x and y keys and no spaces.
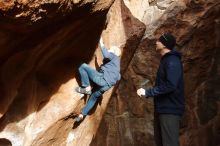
{"x":116,"y":50}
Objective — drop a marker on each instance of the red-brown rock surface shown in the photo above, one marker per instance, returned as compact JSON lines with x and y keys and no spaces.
{"x":43,"y":42}
{"x":129,"y":120}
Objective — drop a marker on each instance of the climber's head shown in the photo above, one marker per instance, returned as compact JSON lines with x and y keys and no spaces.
{"x":115,"y":50}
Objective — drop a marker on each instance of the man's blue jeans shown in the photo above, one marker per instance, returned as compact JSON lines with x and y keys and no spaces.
{"x":87,"y":73}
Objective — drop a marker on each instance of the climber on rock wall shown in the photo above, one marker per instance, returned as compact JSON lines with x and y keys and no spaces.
{"x":168,"y":93}
{"x":104,"y":79}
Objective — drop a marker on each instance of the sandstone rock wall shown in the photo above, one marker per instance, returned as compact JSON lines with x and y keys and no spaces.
{"x":43,"y":43}
{"x":129,"y":119}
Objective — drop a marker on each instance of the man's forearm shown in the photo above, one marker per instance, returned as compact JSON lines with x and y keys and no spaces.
{"x":159,"y":90}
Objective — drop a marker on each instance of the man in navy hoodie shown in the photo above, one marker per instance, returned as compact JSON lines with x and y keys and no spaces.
{"x":104,"y":79}
{"x":168,"y":93}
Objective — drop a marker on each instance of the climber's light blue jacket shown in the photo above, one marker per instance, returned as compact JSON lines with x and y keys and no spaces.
{"x":110,"y":67}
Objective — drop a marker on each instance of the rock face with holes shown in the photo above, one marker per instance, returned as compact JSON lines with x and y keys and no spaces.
{"x":129,"y":119}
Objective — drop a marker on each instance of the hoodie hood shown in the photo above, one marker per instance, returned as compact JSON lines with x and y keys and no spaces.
{"x":174,"y":52}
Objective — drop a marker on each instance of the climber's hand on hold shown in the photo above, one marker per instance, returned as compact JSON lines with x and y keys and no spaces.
{"x":101,"y":43}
